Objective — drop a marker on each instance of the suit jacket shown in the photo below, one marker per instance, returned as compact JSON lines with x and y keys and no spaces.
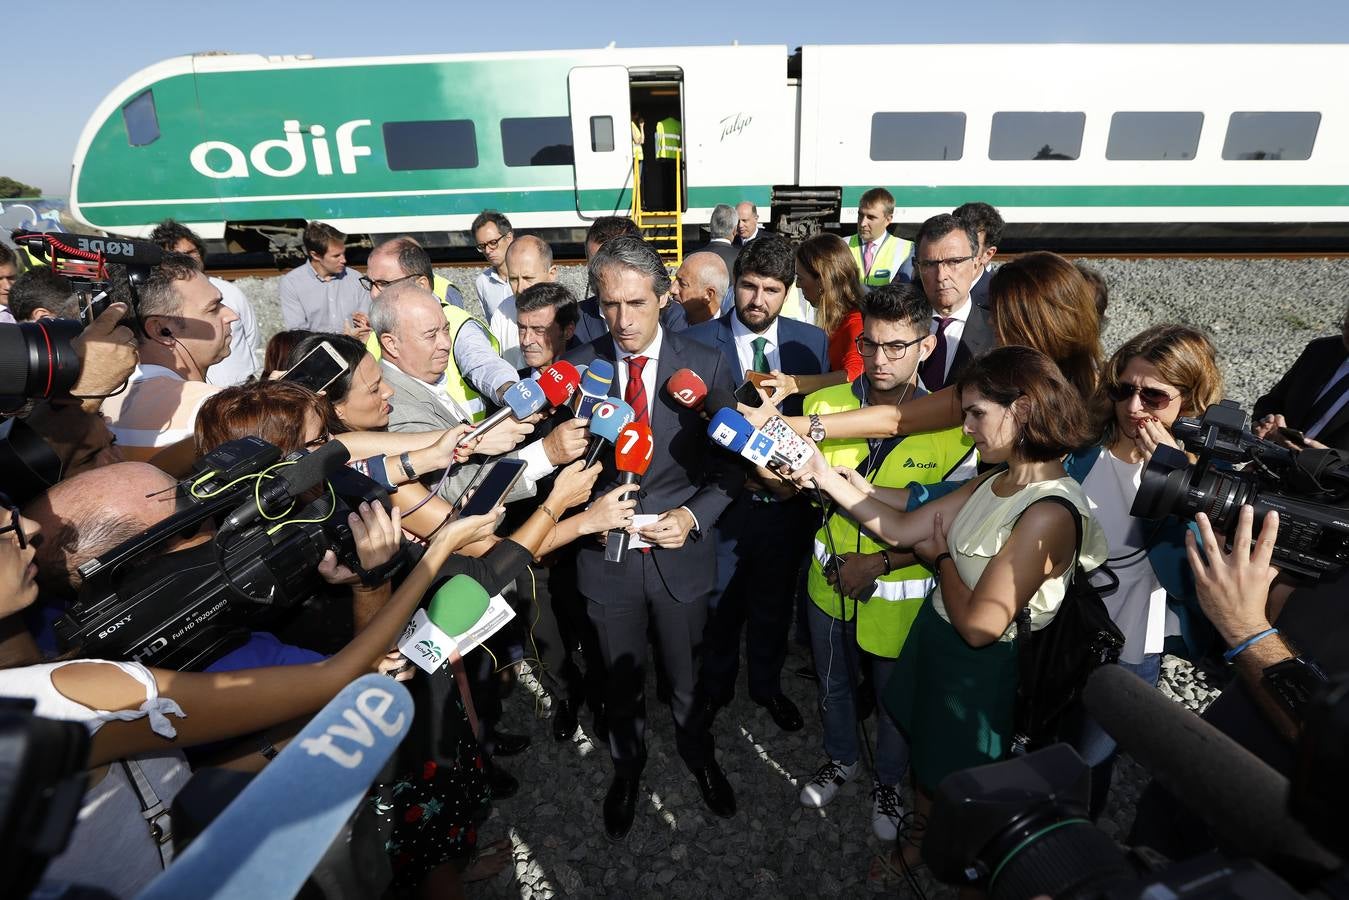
{"x":687,"y":469}
{"x":979,"y":290}
{"x":727,"y":252}
{"x":975,"y":339}
{"x":592,"y":325}
{"x":802,"y":350}
{"x":414,"y":409}
{"x":1296,"y":392}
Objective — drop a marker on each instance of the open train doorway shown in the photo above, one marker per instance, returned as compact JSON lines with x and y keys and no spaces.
{"x":657,"y":104}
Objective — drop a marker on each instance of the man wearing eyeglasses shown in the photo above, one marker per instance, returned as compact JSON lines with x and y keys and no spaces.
{"x":948,"y":262}
{"x":763,"y":536}
{"x":861,"y":608}
{"x":492,"y":236}
{"x":476,"y":369}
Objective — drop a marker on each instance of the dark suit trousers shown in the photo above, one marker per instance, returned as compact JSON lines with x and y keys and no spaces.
{"x":557,"y":624}
{"x":764,"y":545}
{"x":635,"y":596}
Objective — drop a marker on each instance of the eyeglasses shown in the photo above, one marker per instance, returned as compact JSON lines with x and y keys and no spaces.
{"x":372,"y":283}
{"x":485,"y":246}
{"x":1153,"y":398}
{"x":893,"y":351}
{"x":932,"y":265}
{"x":15,"y":522}
{"x":318,"y":441}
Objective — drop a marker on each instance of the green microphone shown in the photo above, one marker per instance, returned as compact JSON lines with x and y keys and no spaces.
{"x":455,"y":609}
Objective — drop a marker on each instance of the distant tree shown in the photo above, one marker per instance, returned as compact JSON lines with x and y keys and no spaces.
{"x":10,"y":188}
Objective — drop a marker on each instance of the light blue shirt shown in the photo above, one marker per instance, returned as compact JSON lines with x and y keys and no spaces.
{"x":479,"y":363}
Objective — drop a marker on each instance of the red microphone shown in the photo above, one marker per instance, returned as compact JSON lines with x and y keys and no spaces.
{"x":687,"y":389}
{"x":560,"y":382}
{"x":632,"y":456}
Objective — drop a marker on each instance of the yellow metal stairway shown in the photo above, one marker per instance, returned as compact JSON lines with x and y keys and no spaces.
{"x":663,"y":229}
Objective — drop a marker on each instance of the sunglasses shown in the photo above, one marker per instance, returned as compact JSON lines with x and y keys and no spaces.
{"x":1153,"y":398}
{"x":15,"y":522}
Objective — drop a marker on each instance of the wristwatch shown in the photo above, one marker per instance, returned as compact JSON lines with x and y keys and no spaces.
{"x":816,"y":428}
{"x":1293,"y":682}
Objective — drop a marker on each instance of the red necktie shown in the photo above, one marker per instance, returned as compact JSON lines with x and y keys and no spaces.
{"x":635,"y":392}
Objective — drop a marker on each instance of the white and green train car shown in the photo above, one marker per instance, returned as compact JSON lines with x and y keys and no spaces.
{"x":1243,"y":145}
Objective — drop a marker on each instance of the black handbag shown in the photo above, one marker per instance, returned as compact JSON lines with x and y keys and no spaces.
{"x":1054,"y":662}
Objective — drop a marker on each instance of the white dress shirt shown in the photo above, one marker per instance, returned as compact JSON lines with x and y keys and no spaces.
{"x":954,"y":331}
{"x":744,"y":345}
{"x":1334,"y":407}
{"x":242,"y":363}
{"x":652,"y":354}
{"x":492,"y":289}
{"x":507,"y":332}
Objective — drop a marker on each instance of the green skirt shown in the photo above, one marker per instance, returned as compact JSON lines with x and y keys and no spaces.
{"x":954,"y":703}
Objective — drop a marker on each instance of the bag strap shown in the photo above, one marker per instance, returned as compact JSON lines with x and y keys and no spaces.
{"x":155,"y":812}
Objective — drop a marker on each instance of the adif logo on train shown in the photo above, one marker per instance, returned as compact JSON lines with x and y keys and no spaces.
{"x":208,"y":157}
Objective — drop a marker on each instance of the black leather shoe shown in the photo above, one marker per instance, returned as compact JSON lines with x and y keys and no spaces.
{"x":510,"y":744}
{"x":716,"y":790}
{"x":503,"y":783}
{"x":564,"y":720}
{"x":783,"y":711}
{"x":601,"y":726}
{"x":620,"y":805}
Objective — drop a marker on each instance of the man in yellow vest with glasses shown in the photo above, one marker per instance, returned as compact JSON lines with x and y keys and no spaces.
{"x":880,"y":256}
{"x":862,"y":607}
{"x":476,"y":368}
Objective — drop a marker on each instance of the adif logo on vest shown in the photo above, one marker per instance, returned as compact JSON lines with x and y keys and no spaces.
{"x":292,"y":145}
{"x":910,"y":464}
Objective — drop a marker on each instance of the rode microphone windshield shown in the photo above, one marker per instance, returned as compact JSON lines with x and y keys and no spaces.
{"x":287,"y":484}
{"x":606,"y":421}
{"x":687,"y":389}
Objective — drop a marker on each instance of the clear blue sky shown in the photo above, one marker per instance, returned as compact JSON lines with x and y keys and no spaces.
{"x":108,"y":41}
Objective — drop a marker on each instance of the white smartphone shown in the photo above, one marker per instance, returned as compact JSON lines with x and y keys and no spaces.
{"x":319,"y":368}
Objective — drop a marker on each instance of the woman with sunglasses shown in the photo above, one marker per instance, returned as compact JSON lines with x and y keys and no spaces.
{"x":827,"y":276}
{"x":1157,"y":376}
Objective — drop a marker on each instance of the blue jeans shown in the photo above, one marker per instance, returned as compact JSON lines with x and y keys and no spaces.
{"x":834,"y":644}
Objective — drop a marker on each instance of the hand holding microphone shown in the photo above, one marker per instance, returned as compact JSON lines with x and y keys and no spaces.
{"x":594,"y":387}
{"x":633,"y":452}
{"x":554,"y":386}
{"x":687,"y":389}
{"x":606,"y":421}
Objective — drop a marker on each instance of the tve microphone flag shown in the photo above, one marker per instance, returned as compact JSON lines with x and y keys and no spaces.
{"x":733,"y":431}
{"x":521,"y":400}
{"x":632,"y":456}
{"x":277,"y":830}
{"x":606,"y":421}
{"x":687,"y":389}
{"x":594,"y":387}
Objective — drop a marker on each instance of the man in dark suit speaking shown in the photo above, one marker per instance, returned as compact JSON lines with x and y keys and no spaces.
{"x":948,"y":260}
{"x":687,"y":486}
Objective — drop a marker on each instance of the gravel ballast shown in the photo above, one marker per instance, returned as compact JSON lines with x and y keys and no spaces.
{"x":1260,"y":314}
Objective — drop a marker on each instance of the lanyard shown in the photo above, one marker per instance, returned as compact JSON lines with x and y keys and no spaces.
{"x":877,"y":255}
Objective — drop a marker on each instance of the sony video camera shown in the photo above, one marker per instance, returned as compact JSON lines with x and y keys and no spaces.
{"x":1307,"y":488}
{"x":184,"y":609}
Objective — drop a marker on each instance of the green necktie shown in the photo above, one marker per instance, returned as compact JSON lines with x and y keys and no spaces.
{"x":760,"y":357}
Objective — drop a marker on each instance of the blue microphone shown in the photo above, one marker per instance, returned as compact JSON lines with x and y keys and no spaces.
{"x":606,"y":421}
{"x":521,"y":400}
{"x":733,"y":431}
{"x":595,"y":382}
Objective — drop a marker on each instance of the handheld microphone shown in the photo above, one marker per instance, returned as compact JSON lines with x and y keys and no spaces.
{"x":454,"y":609}
{"x":687,"y":389}
{"x":606,"y":421}
{"x":559,"y":382}
{"x":289,"y":483}
{"x":718,"y":399}
{"x":733,"y":431}
{"x":632,"y":456}
{"x":1238,"y":795}
{"x":553,"y":387}
{"x":279,"y":828}
{"x":594,"y":387}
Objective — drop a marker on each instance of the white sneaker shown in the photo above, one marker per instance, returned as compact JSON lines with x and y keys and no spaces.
{"x":886,"y":810}
{"x":824,"y":784}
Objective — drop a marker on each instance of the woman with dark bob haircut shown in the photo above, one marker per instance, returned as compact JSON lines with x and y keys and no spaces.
{"x":994,"y":551}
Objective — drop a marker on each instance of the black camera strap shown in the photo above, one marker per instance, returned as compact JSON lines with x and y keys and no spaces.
{"x":154,"y":810}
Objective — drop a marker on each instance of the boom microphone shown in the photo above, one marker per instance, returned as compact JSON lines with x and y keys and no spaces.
{"x":594,"y":387}
{"x":733,"y":431}
{"x":1238,"y":795}
{"x":606,"y":421}
{"x":687,"y":389}
{"x":633,"y":451}
{"x":79,"y":246}
{"x":277,"y":830}
{"x":287,"y":484}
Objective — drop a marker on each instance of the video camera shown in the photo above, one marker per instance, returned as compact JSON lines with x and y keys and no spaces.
{"x":1307,"y":488}
{"x":184,"y":609}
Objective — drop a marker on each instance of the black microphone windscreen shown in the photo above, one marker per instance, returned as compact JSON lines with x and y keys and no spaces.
{"x":718,"y":399}
{"x":309,"y":471}
{"x":1237,"y":794}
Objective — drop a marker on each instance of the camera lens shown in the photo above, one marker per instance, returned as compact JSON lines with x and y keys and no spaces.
{"x":1162,"y":488}
{"x":37,"y":359}
{"x":1067,"y":858}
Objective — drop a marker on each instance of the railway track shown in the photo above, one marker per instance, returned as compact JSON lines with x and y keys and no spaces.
{"x":272,"y":272}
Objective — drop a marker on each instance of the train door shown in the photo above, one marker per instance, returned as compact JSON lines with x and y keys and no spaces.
{"x":658,"y":116}
{"x":600,"y":129}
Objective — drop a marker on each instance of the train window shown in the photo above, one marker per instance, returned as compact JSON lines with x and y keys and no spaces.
{"x":540,"y":141}
{"x":442,"y":144}
{"x":1271,"y":135}
{"x":1154,"y":135}
{"x":141,"y":119}
{"x":601,"y":134}
{"x":917,"y":135}
{"x":1036,"y":135}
